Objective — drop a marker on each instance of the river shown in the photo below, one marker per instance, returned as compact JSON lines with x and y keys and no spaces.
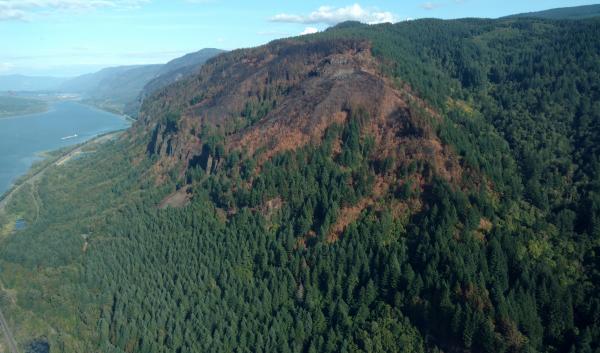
{"x":66,"y":123}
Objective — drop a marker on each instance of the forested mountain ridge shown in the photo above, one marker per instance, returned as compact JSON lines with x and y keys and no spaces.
{"x":565,"y":13}
{"x":179,"y":68}
{"x":424,"y":186}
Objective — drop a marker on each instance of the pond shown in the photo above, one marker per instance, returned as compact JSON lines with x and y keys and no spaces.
{"x":20,"y":224}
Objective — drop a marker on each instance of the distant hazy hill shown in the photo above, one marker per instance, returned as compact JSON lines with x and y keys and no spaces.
{"x":112,"y":87}
{"x":576,"y":12}
{"x":180,"y":67}
{"x":189,"y":60}
{"x":175,"y":70}
{"x":29,"y":83}
{"x":122,"y":88}
{"x":90,"y":82}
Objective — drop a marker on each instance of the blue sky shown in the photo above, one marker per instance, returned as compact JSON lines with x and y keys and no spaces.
{"x":70,"y":37}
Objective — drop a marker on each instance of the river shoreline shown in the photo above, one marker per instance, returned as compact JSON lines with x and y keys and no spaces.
{"x":91,"y":104}
{"x":37,"y":170}
{"x":27,"y":140}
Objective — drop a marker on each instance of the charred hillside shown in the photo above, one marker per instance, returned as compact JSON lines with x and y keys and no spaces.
{"x":285,"y":96}
{"x":425,"y":186}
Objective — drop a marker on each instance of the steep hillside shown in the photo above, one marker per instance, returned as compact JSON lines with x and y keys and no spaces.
{"x":178,"y":68}
{"x":419,"y":187}
{"x":285,"y":96}
{"x":171,"y":72}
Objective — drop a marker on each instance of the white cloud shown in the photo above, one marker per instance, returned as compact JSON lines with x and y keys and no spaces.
{"x":309,"y":30}
{"x":6,"y":67}
{"x":25,"y":9}
{"x":430,"y":5}
{"x":11,"y":14}
{"x":332,"y":15}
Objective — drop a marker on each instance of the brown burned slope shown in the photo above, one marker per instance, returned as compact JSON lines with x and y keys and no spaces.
{"x":283,"y":96}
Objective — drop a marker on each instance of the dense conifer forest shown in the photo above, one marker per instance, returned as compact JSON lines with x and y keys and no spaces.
{"x":336,"y":246}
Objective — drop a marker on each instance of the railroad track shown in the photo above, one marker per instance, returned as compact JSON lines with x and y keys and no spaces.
{"x":12,"y":344}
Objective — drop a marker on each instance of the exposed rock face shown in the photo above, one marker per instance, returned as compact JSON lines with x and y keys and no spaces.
{"x":283,"y":96}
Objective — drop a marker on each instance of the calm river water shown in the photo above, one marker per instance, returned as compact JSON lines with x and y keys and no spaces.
{"x":67,"y":123}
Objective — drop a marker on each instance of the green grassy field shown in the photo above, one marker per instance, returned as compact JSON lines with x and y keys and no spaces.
{"x":12,"y":106}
